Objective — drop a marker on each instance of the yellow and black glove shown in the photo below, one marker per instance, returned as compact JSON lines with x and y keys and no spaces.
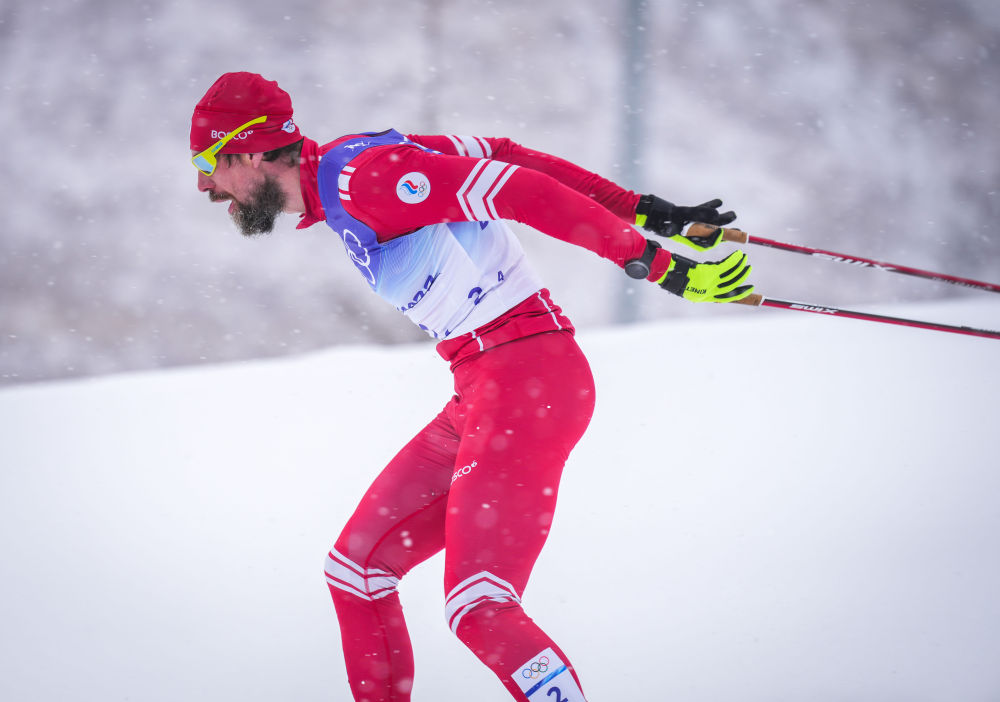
{"x":717,"y":281}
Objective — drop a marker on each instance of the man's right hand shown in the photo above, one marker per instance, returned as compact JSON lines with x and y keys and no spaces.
{"x":718,"y":281}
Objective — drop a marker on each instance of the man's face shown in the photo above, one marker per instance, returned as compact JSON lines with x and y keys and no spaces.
{"x":256,"y":198}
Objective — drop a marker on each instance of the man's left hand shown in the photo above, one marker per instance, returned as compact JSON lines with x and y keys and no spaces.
{"x":667,"y":219}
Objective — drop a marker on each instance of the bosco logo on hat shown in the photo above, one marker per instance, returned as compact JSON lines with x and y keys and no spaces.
{"x":235,"y":99}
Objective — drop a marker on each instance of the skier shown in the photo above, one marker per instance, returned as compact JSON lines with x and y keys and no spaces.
{"x":422,"y":217}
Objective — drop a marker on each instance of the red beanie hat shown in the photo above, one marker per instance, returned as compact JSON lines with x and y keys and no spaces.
{"x":237,"y":98}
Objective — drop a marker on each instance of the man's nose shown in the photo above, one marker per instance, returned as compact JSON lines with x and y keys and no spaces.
{"x":204,"y":182}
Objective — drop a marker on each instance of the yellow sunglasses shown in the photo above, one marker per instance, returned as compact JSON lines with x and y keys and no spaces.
{"x":205,"y":161}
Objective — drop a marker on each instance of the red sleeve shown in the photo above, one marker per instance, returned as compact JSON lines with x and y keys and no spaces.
{"x":612,"y":196}
{"x":458,"y":188}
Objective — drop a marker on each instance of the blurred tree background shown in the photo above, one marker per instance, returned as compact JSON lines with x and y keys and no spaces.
{"x":864,"y":127}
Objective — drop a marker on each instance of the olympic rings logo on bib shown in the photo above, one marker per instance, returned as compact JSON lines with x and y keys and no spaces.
{"x":535,"y":668}
{"x":413,"y":187}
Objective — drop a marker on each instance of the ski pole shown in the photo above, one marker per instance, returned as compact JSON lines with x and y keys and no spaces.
{"x":761,"y":301}
{"x":741,"y":237}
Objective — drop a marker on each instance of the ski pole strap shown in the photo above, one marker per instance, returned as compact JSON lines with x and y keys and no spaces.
{"x":678,"y":276}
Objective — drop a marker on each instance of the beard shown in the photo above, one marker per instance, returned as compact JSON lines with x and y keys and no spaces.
{"x":258,"y":213}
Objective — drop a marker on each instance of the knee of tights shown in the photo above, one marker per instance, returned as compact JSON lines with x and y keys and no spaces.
{"x":481,"y":589}
{"x":367,"y":583}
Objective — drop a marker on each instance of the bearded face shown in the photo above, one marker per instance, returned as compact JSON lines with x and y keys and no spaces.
{"x":257,"y":213}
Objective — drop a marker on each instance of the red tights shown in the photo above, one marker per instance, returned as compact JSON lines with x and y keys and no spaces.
{"x":480,"y":481}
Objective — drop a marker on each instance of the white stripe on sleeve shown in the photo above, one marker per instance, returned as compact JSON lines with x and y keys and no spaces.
{"x":507,"y":173}
{"x":485,"y":146}
{"x":478,"y":186}
{"x":474,"y":147}
{"x":468,"y":184}
{"x":459,"y":149}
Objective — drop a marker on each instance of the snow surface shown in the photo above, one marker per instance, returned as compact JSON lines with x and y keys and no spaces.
{"x":775,"y":506}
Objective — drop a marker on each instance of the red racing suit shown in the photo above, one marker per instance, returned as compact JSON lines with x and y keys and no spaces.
{"x":481,"y":479}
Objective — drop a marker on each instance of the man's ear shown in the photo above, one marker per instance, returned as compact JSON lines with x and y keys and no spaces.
{"x":256,"y":159}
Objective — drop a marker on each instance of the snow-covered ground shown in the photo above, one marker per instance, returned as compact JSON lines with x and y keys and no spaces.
{"x":772,"y":507}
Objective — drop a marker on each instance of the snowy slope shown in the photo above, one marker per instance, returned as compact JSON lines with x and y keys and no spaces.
{"x":832,"y":538}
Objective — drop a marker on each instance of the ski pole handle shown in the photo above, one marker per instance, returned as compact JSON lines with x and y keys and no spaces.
{"x":706,"y":230}
{"x":754,"y":299}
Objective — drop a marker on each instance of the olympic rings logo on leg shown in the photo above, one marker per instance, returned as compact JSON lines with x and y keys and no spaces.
{"x":535,"y":668}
